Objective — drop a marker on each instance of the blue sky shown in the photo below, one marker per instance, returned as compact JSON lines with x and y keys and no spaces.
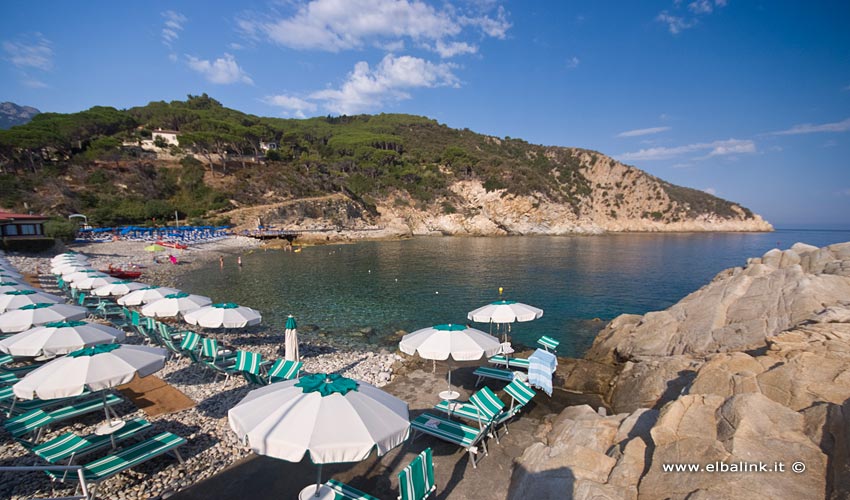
{"x":749,"y":100}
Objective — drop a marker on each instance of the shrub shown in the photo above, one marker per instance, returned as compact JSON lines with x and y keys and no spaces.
{"x":60,"y":229}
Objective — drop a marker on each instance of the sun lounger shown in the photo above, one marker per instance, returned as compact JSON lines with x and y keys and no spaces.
{"x":5,"y":358}
{"x":548,"y":343}
{"x":465,"y":436}
{"x":218,"y":360}
{"x":69,"y":446}
{"x":16,"y":406}
{"x":416,"y":481}
{"x":520,"y":394}
{"x":110,"y":465}
{"x":37,"y":420}
{"x":284,"y":369}
{"x":501,"y":359}
{"x":497,"y":373}
{"x":483,"y":407}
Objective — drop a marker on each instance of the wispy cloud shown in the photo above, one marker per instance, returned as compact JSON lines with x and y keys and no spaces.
{"x":30,"y":52}
{"x":334,"y":25}
{"x":224,"y":70}
{"x":368,"y":89}
{"x":808,"y":128}
{"x":573,"y":62}
{"x":716,"y":148}
{"x":711,"y":191}
{"x":294,"y":106}
{"x":677,"y":23}
{"x":172,"y":27}
{"x":33,"y":83}
{"x":643,"y":131}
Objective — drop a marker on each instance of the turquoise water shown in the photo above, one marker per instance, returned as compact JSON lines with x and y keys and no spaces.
{"x":411,"y":284}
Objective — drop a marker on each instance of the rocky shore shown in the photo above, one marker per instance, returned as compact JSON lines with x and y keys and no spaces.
{"x":753,"y":369}
{"x":211,"y":445}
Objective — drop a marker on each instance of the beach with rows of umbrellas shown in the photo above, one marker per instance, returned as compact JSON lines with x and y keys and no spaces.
{"x":210,"y":392}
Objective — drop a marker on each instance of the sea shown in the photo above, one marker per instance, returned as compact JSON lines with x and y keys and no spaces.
{"x":373,"y":291}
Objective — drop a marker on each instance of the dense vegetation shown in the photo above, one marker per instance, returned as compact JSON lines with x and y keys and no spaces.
{"x":86,"y":162}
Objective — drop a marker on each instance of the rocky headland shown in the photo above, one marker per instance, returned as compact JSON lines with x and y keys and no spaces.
{"x":753,"y":368}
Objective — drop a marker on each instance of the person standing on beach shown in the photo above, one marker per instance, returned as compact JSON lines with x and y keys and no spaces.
{"x":221,"y":261}
{"x":239,"y":261}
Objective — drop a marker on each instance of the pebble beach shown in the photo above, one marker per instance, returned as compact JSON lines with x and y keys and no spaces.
{"x":211,"y":445}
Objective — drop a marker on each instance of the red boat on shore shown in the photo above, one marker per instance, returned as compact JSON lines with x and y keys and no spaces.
{"x":172,"y":244}
{"x":124,"y":274}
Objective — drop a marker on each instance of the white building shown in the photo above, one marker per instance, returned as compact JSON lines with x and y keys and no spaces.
{"x":265,"y":146}
{"x":169,"y":136}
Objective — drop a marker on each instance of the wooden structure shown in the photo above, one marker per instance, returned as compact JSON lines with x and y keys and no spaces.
{"x":21,"y":227}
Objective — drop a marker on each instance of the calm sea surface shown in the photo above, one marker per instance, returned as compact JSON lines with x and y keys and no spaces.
{"x":411,"y":284}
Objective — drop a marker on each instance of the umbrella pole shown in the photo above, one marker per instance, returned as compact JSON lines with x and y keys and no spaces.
{"x":318,"y":480}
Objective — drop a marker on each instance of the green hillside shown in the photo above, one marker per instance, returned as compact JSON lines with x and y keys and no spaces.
{"x":67,"y":163}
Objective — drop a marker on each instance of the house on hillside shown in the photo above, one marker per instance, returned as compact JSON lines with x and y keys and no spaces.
{"x":169,"y":136}
{"x":266,"y":146}
{"x":21,"y":227}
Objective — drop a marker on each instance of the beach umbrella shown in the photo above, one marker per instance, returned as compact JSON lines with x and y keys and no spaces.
{"x":17,"y":299}
{"x":173,"y":304}
{"x":447,"y":342}
{"x":154,"y":248}
{"x":291,"y":340}
{"x":331,"y":418}
{"x":505,"y":312}
{"x":227,"y":315}
{"x":95,"y":368}
{"x":118,"y":288}
{"x":93,"y":281}
{"x":61,"y":337}
{"x":65,"y":257}
{"x":146,"y":295}
{"x":82,"y":274}
{"x":69,"y":267}
{"x":9,"y":285}
{"x":7,"y":274}
{"x":38,"y":314}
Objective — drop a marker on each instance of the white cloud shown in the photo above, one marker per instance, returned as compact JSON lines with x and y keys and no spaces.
{"x":292,"y":105}
{"x":716,"y":148}
{"x":34,"y":83}
{"x":336,"y":25}
{"x":223,"y":70}
{"x":173,"y":25}
{"x":701,"y":7}
{"x":367,"y":89}
{"x":808,"y":128}
{"x":675,"y":24}
{"x":643,"y":131}
{"x":451,"y":49}
{"x":711,"y":191}
{"x":573,"y":62}
{"x":30,"y":51}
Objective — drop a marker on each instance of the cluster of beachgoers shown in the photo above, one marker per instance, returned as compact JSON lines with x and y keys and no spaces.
{"x":193,"y":422}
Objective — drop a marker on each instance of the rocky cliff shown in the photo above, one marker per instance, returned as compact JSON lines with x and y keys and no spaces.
{"x":11,"y":114}
{"x":754,"y":368}
{"x":618,"y":198}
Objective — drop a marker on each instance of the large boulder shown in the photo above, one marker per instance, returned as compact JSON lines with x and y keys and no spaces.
{"x":739,"y":310}
{"x":650,"y":383}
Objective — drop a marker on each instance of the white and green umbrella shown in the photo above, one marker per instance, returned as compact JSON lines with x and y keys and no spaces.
{"x":73,"y":276}
{"x":146,"y":295}
{"x":8,"y":274}
{"x":9,"y":285}
{"x":175,"y":304}
{"x":69,"y":267}
{"x":16,"y":299}
{"x":226,"y":315}
{"x":53,"y":339}
{"x":291,"y":340}
{"x":328,"y":417}
{"x":450,"y":342}
{"x":95,"y":368}
{"x":505,"y":311}
{"x":93,"y":281}
{"x":38,"y":314}
{"x":118,"y":288}
{"x":68,"y":257}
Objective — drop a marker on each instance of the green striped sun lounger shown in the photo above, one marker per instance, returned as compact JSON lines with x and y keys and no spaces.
{"x":37,"y":420}
{"x":501,"y":359}
{"x":497,"y":373}
{"x":343,"y":491}
{"x":548,"y":343}
{"x":69,"y":445}
{"x":416,"y":481}
{"x":284,"y":369}
{"x":520,"y":393}
{"x":128,"y":458}
{"x":190,"y":342}
{"x":16,"y":406}
{"x":465,"y":436}
{"x":5,"y":358}
{"x":483,"y":407}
